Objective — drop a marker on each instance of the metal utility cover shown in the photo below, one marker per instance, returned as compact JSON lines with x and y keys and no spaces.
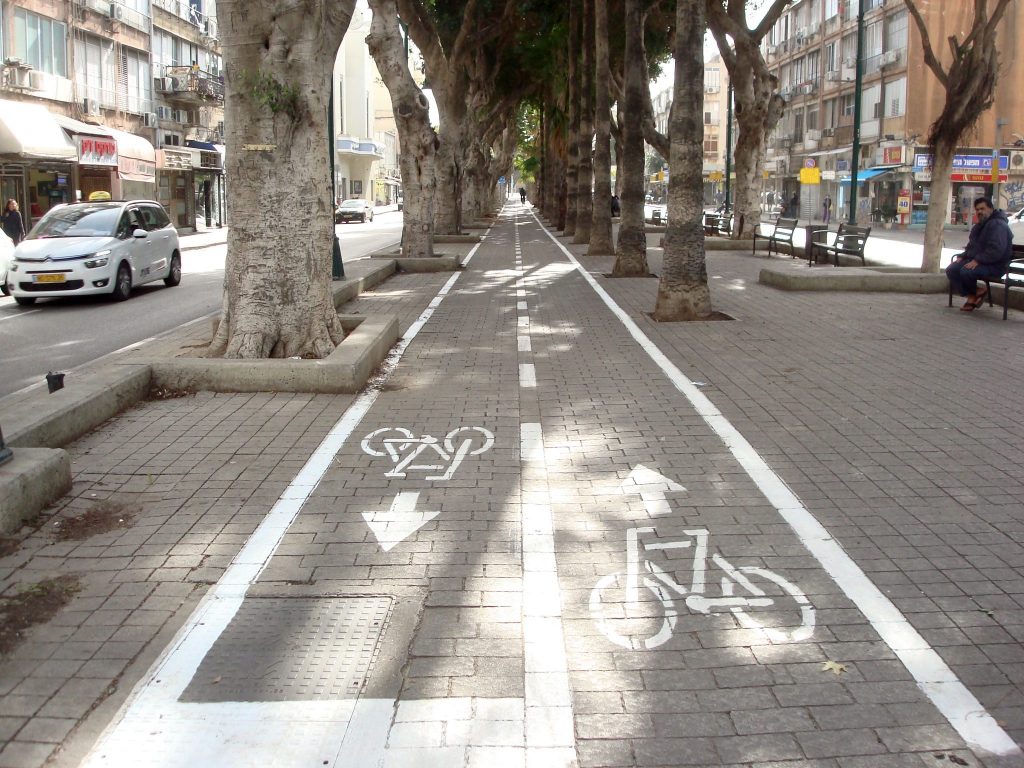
{"x":292,"y":649}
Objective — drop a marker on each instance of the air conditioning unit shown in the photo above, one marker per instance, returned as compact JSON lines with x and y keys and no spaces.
{"x":164,"y":113}
{"x":771,"y":50}
{"x":178,"y":83}
{"x":91,"y":107}
{"x":1017,"y":161}
{"x":149,"y":119}
{"x":807,"y":88}
{"x":164,"y":84}
{"x":812,"y":135}
{"x":828,"y":132}
{"x":889,"y":57}
{"x":116,"y":12}
{"x":18,"y":76}
{"x":210,"y":28}
{"x":37,"y":80}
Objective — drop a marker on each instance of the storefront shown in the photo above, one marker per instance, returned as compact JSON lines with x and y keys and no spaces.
{"x":174,"y":186}
{"x":971,"y":178}
{"x":208,"y":175}
{"x":37,"y":159}
{"x":97,"y":157}
{"x":136,"y":167}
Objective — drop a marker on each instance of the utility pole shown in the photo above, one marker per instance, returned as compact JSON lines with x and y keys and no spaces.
{"x":337,"y":265}
{"x":855,"y":162}
{"x":1001,"y":122}
{"x":728,"y":150}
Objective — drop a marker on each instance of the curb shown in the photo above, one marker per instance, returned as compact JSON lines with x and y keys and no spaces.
{"x":33,"y":479}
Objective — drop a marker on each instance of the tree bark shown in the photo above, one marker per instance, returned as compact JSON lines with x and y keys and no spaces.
{"x":601,"y":219}
{"x":277,"y":277}
{"x":631,"y":253}
{"x":412,"y":118}
{"x":683,"y":292}
{"x":573,"y":158}
{"x":938,"y":205}
{"x":585,"y":138}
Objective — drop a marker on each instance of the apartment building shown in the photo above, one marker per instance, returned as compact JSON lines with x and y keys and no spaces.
{"x":813,"y":51}
{"x":115,"y":96}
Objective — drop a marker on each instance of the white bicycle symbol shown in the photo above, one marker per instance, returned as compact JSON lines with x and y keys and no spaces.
{"x":633,"y":623}
{"x":404,"y":448}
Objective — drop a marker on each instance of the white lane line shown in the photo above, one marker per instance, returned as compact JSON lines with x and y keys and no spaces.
{"x":527,"y":375}
{"x":934,"y":677}
{"x":141,"y":736}
{"x":21,"y":313}
{"x":525,"y":345}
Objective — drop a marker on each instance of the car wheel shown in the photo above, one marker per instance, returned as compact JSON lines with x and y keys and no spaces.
{"x":174,"y":273}
{"x":122,"y":284}
{"x":25,"y":301}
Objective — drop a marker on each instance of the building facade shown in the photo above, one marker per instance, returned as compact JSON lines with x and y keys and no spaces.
{"x":812,"y":49}
{"x":93,"y":94}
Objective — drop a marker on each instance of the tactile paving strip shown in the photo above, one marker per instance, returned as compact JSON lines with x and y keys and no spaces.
{"x":292,"y":649}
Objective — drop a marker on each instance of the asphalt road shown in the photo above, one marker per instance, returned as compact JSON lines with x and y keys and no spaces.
{"x":60,"y":334}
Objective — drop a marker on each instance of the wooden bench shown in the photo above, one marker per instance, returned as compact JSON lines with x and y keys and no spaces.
{"x":849,"y":241}
{"x":718,"y":224}
{"x":1014,"y":276}
{"x":782,"y":234}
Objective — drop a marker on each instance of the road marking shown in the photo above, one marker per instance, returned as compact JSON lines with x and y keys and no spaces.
{"x":951,"y":697}
{"x":527,"y":375}
{"x":399,"y":522}
{"x":153,"y":729}
{"x":652,"y":488}
{"x":20,"y":313}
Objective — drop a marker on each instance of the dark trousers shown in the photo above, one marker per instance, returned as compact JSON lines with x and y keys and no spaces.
{"x":965,"y":281}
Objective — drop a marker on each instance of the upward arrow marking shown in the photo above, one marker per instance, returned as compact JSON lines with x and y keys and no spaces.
{"x":399,"y":522}
{"x":652,"y":488}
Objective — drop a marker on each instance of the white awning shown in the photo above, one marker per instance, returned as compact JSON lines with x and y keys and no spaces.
{"x":95,"y":143}
{"x":136,"y":158}
{"x":30,"y":131}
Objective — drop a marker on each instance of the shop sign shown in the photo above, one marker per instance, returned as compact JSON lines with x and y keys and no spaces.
{"x":810,"y":176}
{"x":903,"y":205}
{"x":96,"y":150}
{"x":828,"y":175}
{"x":981,"y":178}
{"x":843,"y":166}
{"x":174,"y":159}
{"x":136,"y":167}
{"x":965,"y":164}
{"x":892,"y":155}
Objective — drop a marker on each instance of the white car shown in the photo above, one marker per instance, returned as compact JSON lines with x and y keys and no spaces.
{"x":1017,"y":226}
{"x":95,"y":248}
{"x":6,"y":254}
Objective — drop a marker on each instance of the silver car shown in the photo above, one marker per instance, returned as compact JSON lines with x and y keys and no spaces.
{"x":103,"y":247}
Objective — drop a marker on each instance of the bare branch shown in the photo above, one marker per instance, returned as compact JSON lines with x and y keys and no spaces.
{"x":929,"y":53}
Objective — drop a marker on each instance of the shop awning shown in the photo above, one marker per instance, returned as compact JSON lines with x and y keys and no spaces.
{"x":71,"y":125}
{"x":201,"y":145}
{"x":30,"y":131}
{"x":136,"y":158}
{"x":870,"y":173}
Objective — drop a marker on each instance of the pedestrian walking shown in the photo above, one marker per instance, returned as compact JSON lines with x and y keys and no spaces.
{"x":616,"y":206}
{"x":522,"y":195}
{"x":826,"y":209}
{"x":13,"y":224}
{"x":794,"y":206}
{"x":988,"y":253}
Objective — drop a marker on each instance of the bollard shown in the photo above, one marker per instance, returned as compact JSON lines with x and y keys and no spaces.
{"x":5,"y":453}
{"x":54,"y":381}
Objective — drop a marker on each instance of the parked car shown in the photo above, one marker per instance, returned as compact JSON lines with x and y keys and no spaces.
{"x":1017,"y":226}
{"x":104,"y":247}
{"x":355,"y":209}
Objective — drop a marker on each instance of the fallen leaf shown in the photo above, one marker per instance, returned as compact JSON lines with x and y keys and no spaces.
{"x":834,"y":667}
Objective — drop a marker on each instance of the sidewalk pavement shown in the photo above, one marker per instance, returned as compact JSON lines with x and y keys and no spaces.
{"x":554,"y":533}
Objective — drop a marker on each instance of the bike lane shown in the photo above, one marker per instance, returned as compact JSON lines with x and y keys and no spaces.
{"x":710,"y":618}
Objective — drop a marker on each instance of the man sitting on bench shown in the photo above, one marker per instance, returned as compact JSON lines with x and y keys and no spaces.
{"x":988,"y":252}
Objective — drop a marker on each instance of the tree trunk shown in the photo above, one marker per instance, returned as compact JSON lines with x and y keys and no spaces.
{"x":448,"y":172}
{"x":631,"y":250}
{"x":758,"y":109}
{"x":573,"y":159}
{"x":277,"y":277}
{"x":938,"y":204}
{"x":412,"y":118}
{"x":601,"y":219}
{"x":585,"y":137}
{"x":683,"y":292}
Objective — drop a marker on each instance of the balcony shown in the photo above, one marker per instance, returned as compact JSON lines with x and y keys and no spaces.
{"x":190,"y":85}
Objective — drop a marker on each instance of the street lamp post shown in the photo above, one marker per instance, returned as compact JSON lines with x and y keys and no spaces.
{"x":855,"y":159}
{"x":728,"y":150}
{"x":1001,"y":123}
{"x":337,"y":265}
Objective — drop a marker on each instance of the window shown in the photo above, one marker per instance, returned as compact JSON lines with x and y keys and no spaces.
{"x":831,"y":113}
{"x":831,"y":8}
{"x":41,"y":42}
{"x":711,"y":145}
{"x":712,"y":78}
{"x":895,"y":98}
{"x":896,"y":31}
{"x":711,"y":113}
{"x":135,"y":87}
{"x":848,"y":105}
{"x":94,"y":69}
{"x":812,"y":118}
{"x":357,"y":187}
{"x":832,"y":61}
{"x":171,"y":140}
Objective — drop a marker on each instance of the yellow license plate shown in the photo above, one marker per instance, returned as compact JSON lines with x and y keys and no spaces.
{"x":48,"y":278}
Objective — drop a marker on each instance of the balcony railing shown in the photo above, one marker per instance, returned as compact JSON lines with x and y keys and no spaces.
{"x":193,"y":84}
{"x":206,"y":23}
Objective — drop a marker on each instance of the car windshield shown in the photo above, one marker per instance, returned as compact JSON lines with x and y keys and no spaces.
{"x":78,"y":221}
{"x":353,"y":204}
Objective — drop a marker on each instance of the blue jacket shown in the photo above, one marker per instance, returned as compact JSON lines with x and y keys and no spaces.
{"x":991,"y":241}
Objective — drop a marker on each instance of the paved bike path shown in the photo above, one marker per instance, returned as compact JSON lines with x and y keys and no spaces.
{"x":343,"y":634}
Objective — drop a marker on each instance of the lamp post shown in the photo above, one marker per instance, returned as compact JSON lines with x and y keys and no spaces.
{"x":337,"y":265}
{"x":1001,"y":122}
{"x":728,"y":150}
{"x":855,"y":160}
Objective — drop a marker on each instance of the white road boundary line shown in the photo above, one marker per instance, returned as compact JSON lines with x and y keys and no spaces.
{"x":155,"y":697}
{"x":934,"y":677}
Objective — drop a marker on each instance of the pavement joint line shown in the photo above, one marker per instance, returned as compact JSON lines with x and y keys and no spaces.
{"x":933,"y":676}
{"x":128,"y":740}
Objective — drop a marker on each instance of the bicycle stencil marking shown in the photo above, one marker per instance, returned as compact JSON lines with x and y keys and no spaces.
{"x":423,"y":453}
{"x":637,"y":609}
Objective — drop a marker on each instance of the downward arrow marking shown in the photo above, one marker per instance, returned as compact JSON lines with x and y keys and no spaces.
{"x":652,"y":488}
{"x":399,"y":522}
